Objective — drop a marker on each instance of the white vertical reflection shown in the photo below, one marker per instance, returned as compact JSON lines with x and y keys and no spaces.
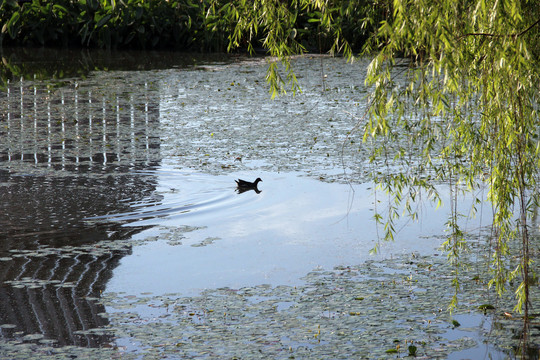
{"x":90,"y":126}
{"x":132,"y":117}
{"x":49,"y":120}
{"x":54,"y":127}
{"x":77,"y":136}
{"x":63,"y":124}
{"x":104,"y":137}
{"x":117,"y":128}
{"x":35,"y":123}
{"x":147,"y":130}
{"x":9,"y":120}
{"x":21,"y":134}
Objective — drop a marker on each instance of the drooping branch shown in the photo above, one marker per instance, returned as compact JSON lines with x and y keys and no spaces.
{"x":516,"y":35}
{"x":527,"y":29}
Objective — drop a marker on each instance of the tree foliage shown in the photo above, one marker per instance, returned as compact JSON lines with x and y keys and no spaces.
{"x":467,"y":103}
{"x":285,"y":28}
{"x":470,"y":102}
{"x":195,"y":25}
{"x":101,"y":23}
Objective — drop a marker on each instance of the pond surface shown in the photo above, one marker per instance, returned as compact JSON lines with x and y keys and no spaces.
{"x":118,"y":186}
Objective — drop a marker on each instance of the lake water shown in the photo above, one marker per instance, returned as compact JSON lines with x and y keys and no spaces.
{"x":122,"y":182}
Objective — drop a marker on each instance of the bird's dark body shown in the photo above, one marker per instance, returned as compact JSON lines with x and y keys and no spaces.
{"x":246,"y":184}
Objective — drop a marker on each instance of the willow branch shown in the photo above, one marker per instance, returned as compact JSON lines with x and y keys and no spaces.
{"x":499,"y":35}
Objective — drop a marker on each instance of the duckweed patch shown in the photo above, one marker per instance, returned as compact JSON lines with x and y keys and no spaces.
{"x":205,"y":242}
{"x":321,"y":319}
{"x":373,"y":310}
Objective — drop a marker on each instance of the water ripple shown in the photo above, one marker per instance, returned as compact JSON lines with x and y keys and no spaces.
{"x":181,"y":194}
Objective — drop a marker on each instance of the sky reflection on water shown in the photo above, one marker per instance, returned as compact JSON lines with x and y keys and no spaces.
{"x":296,"y":224}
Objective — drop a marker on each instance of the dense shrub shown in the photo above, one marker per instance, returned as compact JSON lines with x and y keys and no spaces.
{"x":100,"y":23}
{"x":200,"y":25}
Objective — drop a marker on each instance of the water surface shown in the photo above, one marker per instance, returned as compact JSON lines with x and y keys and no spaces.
{"x":122,"y":182}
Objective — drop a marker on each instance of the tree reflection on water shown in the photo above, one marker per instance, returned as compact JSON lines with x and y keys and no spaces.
{"x":67,"y":154}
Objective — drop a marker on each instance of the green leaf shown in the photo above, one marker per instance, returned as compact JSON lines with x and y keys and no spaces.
{"x":102,"y":21}
{"x":12,"y":24}
{"x":60,"y":8}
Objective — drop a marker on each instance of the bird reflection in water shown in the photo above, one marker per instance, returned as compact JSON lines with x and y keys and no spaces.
{"x":243,"y":186}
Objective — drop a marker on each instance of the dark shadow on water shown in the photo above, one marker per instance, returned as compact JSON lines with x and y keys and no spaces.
{"x":53,"y":267}
{"x":56,"y":64}
{"x":54,"y":293}
{"x":240,"y":190}
{"x":62,"y":160}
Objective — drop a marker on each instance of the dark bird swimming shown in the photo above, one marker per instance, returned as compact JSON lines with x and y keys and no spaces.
{"x":243,"y":185}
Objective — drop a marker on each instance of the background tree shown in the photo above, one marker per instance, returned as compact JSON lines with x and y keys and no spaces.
{"x":285,"y":28}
